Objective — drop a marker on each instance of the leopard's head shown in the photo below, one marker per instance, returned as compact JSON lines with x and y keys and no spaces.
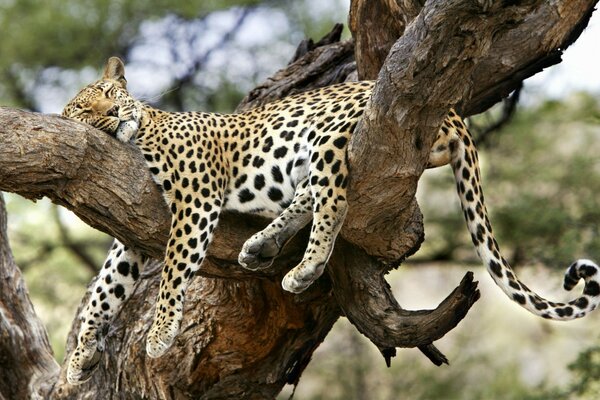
{"x":107,"y":105}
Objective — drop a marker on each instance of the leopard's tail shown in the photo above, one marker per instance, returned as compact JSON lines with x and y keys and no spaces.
{"x":464,"y":161}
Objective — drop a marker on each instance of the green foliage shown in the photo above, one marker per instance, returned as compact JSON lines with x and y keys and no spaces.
{"x":587,"y":375}
{"x":47,"y":38}
{"x":585,"y":382}
{"x":75,"y":33}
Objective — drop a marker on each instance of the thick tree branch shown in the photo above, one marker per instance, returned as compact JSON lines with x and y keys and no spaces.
{"x":538,"y":35}
{"x":375,"y":26}
{"x":248,"y":336}
{"x":437,"y":64}
{"x":367,"y":301}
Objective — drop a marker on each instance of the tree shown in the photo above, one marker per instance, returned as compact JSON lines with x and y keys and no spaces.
{"x":242,"y":336}
{"x":125,"y":28}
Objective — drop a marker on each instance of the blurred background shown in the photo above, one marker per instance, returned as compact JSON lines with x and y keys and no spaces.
{"x":540,"y":169}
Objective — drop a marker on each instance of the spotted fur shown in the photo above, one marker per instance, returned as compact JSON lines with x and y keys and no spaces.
{"x":285,"y":160}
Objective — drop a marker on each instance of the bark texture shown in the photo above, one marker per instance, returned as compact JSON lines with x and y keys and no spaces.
{"x":533,"y":40}
{"x":27,"y":366}
{"x":460,"y":52}
{"x":242,"y":336}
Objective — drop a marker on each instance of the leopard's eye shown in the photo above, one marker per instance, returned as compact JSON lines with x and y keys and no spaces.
{"x":82,"y":112}
{"x":109,"y":91}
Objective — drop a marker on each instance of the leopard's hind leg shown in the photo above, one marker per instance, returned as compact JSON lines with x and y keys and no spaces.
{"x":259,"y":251}
{"x":328,"y":179}
{"x":113,"y":286}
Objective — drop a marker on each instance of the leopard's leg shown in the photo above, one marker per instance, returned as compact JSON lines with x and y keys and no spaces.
{"x":189,"y":238}
{"x":113,"y":286}
{"x":441,"y":151}
{"x":259,"y":251}
{"x":328,"y":179}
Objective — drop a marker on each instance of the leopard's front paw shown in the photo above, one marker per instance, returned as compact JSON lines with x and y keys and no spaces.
{"x":127,"y":130}
{"x":258,"y":252}
{"x":301,"y":277}
{"x":85,"y":359}
{"x":161,"y":338}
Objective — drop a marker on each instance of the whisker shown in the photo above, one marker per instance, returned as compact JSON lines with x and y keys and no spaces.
{"x":156,"y":97}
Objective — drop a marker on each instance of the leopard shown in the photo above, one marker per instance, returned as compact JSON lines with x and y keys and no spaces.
{"x":285,"y":160}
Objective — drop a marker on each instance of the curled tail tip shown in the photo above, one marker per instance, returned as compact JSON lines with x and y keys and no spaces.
{"x":583,"y":269}
{"x":588,"y":271}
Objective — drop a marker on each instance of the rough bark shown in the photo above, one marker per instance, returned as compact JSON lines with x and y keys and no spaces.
{"x":26,"y":359}
{"x":375,"y":27}
{"x":538,"y":35}
{"x":464,"y":55}
{"x":242,"y":336}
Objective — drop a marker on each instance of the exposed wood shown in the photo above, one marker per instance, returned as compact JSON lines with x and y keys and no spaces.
{"x":375,"y":26}
{"x":536,"y":40}
{"x":237,"y":337}
{"x":367,"y":301}
{"x":454,"y":54}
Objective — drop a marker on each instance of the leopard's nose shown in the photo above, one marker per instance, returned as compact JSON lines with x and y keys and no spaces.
{"x":113,"y":111}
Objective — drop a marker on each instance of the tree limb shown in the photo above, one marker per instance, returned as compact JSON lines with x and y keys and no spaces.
{"x":536,"y":40}
{"x":26,"y":359}
{"x":453,"y":54}
{"x":106,"y":183}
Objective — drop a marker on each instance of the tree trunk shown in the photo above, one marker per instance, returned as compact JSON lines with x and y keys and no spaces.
{"x":243,"y":336}
{"x":27,"y":366}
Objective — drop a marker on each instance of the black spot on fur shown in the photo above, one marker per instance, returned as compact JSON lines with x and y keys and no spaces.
{"x":592,"y":288}
{"x":280,"y":152}
{"x":275,"y":194}
{"x":135,"y":271}
{"x":340,"y":142}
{"x":245,"y":196}
{"x":581,"y":302}
{"x":496,"y":268}
{"x":123,"y":268}
{"x":519,"y":298}
{"x":176,"y":282}
{"x":119,"y":291}
{"x":277,"y":175}
{"x":259,"y":182}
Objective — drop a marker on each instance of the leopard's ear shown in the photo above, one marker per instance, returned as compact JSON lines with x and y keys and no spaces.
{"x":115,"y":70}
